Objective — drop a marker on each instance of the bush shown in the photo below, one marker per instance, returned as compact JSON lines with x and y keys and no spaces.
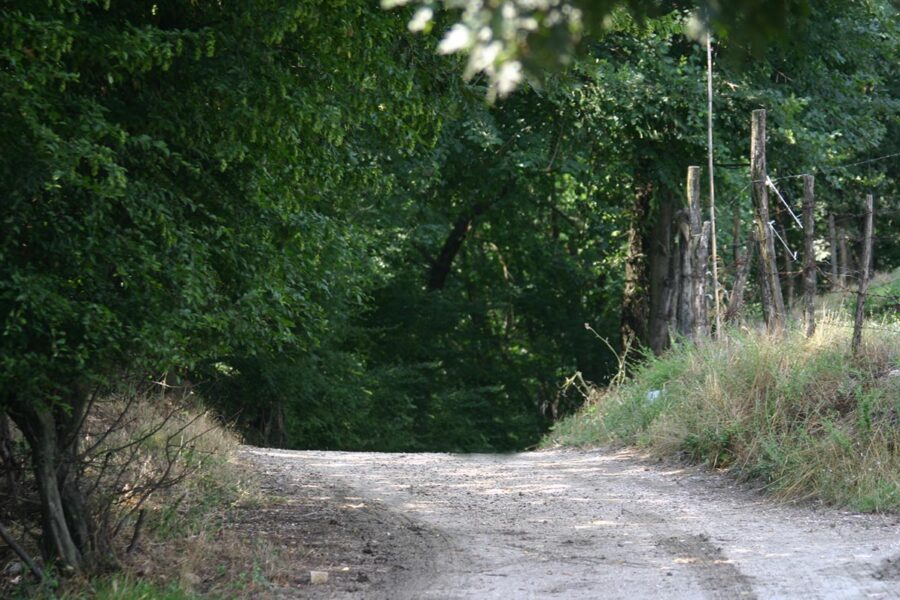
{"x":160,"y":478}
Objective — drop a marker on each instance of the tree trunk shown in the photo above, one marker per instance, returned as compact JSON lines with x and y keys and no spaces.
{"x":788,"y":266}
{"x":437,"y":275}
{"x":845,"y":258}
{"x":736,"y":235}
{"x":863,"y":276}
{"x":742,"y":268}
{"x":832,"y":232}
{"x":675,"y":278}
{"x":7,"y":459}
{"x":662,"y":280}
{"x":635,"y":303}
{"x":440,"y":267}
{"x":40,"y":429}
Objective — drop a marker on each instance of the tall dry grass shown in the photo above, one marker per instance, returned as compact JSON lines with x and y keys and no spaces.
{"x":801,"y":416}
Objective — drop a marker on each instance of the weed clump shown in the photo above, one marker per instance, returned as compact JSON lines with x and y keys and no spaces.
{"x":800,"y":415}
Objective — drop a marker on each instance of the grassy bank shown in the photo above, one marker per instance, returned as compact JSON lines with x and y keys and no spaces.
{"x":801,"y":416}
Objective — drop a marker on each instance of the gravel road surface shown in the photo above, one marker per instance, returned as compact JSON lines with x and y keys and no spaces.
{"x":563,"y":524}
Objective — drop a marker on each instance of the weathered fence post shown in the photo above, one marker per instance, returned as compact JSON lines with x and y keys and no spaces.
{"x":773,"y":302}
{"x":699,"y":256}
{"x":809,"y":251}
{"x":692,"y":317}
{"x":863,"y":277}
{"x":685,"y":310}
{"x":832,"y":232}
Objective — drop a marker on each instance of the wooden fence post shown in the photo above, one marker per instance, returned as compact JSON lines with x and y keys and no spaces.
{"x":809,"y":268}
{"x":832,"y":232}
{"x":685,"y":305}
{"x":863,"y":277}
{"x":773,"y":302}
{"x":692,"y":318}
{"x":699,"y":256}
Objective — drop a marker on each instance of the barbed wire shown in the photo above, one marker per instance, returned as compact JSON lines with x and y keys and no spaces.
{"x":893,"y":297}
{"x":827,"y":169}
{"x":891,"y":328}
{"x":820,"y":169}
{"x":827,"y":278}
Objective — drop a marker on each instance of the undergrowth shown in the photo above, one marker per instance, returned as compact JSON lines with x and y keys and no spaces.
{"x":170,"y":491}
{"x":800,"y":415}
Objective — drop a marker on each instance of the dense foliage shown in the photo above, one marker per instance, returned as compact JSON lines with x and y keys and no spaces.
{"x":307,"y":211}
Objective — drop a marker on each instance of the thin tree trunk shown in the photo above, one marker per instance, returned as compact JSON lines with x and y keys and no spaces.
{"x":863,"y":277}
{"x":832,"y":232}
{"x":635,"y":303}
{"x":21,"y":553}
{"x":40,"y":430}
{"x":788,"y":266}
{"x":736,"y":235}
{"x":742,"y":268}
{"x":441,"y":266}
{"x":7,"y":458}
{"x":809,"y":252}
{"x":440,"y":270}
{"x":845,"y":257}
{"x":673,"y":304}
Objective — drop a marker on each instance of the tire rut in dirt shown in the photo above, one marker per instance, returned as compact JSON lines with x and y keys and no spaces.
{"x":718,"y":576}
{"x":369,"y":550}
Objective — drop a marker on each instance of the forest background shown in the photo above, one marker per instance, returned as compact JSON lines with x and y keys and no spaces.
{"x":304,"y":210}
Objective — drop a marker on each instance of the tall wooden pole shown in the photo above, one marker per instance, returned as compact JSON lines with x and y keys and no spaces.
{"x":863,"y":277}
{"x":809,"y":251}
{"x":712,"y":179}
{"x":773,"y":302}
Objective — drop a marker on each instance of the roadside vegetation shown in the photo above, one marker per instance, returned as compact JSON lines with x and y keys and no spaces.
{"x":800,"y":416}
{"x":161,"y":478}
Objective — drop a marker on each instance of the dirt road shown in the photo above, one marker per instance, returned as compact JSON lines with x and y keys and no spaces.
{"x":568,"y":524}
